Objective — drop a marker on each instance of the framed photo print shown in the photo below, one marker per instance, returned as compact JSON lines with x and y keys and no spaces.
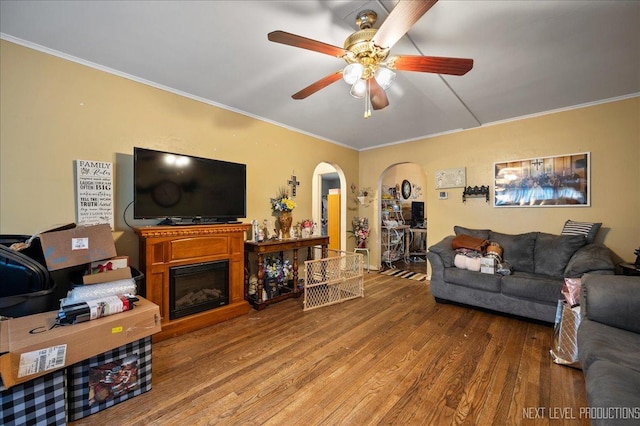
{"x":559,"y":181}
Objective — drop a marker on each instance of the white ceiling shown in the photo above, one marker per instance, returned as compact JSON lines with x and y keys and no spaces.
{"x":530,"y":57}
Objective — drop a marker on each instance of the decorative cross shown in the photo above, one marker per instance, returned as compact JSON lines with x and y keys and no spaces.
{"x":537,"y":163}
{"x":294,"y":183}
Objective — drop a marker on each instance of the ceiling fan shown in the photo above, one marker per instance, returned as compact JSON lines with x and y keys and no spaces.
{"x":369,"y":68}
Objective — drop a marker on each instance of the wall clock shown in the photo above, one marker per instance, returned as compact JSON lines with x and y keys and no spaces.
{"x":406,"y":189}
{"x":166,"y":193}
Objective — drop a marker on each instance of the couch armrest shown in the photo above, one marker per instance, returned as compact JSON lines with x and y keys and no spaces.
{"x":444,"y":250}
{"x":613,"y":300}
{"x":592,"y":258}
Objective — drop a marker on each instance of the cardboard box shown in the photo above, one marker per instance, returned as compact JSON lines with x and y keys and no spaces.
{"x":488,"y":265}
{"x":107,"y":265}
{"x":37,"y":402}
{"x":105,"y":277}
{"x":77,"y":246}
{"x":31,"y":346}
{"x":108,"y":379}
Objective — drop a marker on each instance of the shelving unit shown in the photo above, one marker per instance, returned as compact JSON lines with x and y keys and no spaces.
{"x":392,"y":210}
{"x":393,"y":236}
{"x":393,"y":243}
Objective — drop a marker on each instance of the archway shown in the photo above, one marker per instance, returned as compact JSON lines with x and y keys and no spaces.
{"x":329,"y":176}
{"x":402,"y":189}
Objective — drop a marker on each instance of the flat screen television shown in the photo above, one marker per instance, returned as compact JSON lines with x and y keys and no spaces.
{"x":185,"y":189}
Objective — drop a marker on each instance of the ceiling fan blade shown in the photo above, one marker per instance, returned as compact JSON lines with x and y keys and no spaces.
{"x":434,"y":64}
{"x":377,"y":95}
{"x":318,"y":85}
{"x":400,"y":20}
{"x":306,"y":43}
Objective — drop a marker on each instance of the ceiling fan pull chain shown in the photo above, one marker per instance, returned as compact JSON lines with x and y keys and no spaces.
{"x":367,"y":100}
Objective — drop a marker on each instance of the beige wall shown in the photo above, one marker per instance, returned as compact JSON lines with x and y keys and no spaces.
{"x":411,"y":172}
{"x":609,"y":131}
{"x":54,"y":111}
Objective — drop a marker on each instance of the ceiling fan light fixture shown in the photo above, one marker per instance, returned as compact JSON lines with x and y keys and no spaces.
{"x":385,"y":77}
{"x":352,"y":73}
{"x":359,"y":89}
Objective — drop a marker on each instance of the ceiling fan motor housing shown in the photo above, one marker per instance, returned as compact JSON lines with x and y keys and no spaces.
{"x":363,"y":51}
{"x":360,"y":47}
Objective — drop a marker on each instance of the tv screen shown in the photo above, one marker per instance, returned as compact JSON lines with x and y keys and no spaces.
{"x":170,"y":185}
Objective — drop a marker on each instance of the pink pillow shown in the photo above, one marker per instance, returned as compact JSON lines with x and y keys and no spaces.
{"x":473,"y":263}
{"x":460,"y":261}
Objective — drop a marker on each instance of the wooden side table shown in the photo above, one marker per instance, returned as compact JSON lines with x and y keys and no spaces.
{"x":278,"y":246}
{"x":629,"y":269}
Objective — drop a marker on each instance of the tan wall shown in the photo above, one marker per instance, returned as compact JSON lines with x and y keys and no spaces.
{"x":609,"y":131}
{"x":411,"y":172}
{"x":54,"y":111}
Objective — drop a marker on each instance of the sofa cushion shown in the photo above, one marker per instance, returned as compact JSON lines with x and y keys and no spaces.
{"x":612,"y":388}
{"x":444,"y":250}
{"x":517,"y":249}
{"x":612,"y":300}
{"x":478,"y":280}
{"x":598,"y":341}
{"x":590,"y":258}
{"x":586,"y":229}
{"x":533,"y":287}
{"x":479,"y":233}
{"x":553,"y":252}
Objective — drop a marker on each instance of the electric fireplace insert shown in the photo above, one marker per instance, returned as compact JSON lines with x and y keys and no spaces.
{"x":198,"y":287}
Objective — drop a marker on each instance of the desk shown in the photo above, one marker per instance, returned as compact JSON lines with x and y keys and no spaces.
{"x":278,"y":246}
{"x":629,"y":269}
{"x":418,"y":243}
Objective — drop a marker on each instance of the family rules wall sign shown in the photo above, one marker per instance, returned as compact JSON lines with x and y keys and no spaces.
{"x":94,"y":192}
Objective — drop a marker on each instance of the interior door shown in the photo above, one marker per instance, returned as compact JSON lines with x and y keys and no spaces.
{"x":333,"y":219}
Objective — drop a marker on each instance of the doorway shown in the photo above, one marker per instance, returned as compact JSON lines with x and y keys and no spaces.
{"x":329,"y":203}
{"x":403,"y":224}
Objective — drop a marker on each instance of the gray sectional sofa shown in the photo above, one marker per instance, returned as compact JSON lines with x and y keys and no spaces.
{"x":540,"y":262}
{"x":609,"y":348}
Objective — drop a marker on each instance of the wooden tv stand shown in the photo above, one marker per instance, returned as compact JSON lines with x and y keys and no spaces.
{"x":164,"y":247}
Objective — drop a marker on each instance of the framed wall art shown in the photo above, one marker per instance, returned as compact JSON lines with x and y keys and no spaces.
{"x":559,"y":181}
{"x":451,"y":178}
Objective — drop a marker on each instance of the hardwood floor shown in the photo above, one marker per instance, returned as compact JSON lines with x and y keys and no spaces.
{"x":392,"y":357}
{"x":416,"y":264}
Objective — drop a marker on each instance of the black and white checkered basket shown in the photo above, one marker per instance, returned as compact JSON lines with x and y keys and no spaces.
{"x":78,"y":378}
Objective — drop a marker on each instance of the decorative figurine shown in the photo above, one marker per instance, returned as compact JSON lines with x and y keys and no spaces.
{"x":254,"y":230}
{"x":265,"y":228}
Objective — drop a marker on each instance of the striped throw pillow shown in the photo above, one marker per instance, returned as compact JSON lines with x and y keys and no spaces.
{"x":588,"y":229}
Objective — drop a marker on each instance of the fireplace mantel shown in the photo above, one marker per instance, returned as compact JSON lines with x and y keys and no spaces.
{"x":164,"y":247}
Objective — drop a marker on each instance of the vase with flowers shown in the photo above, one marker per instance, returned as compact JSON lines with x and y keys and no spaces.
{"x":360,"y":231}
{"x":282,"y":206}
